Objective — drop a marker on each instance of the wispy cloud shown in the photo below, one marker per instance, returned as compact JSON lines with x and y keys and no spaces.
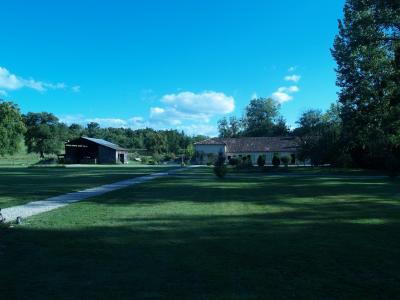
{"x":284,"y":94}
{"x":292,"y":69}
{"x":11,"y":82}
{"x":294,"y":78}
{"x":76,"y":88}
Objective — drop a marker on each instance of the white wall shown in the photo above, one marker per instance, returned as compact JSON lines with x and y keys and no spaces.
{"x":214,"y":149}
{"x":268,"y":156}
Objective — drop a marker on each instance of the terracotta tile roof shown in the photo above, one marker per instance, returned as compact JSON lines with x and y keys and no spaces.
{"x":255,"y":144}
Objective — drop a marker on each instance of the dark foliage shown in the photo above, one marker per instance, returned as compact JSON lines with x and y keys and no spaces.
{"x":276,"y":160}
{"x":261,"y":161}
{"x":220,"y":168}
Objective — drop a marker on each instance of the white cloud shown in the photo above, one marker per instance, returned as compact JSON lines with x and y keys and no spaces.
{"x":184,"y":107}
{"x":281,"y":97}
{"x":208,"y":102}
{"x":254,"y":96}
{"x":173,"y":116}
{"x":3,"y":93}
{"x":9,"y":81}
{"x":294,"y":78}
{"x":283,"y":94}
{"x":292,"y":69}
{"x":185,"y":111}
{"x":293,"y":89}
{"x":76,"y":88}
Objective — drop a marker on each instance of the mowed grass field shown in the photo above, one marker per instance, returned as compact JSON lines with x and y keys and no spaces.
{"x":19,"y":185}
{"x":196,"y":237}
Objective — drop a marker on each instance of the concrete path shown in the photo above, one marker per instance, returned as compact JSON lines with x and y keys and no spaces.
{"x":37,"y":207}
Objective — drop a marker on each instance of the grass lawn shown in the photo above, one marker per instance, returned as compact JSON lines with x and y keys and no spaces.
{"x":19,"y":185}
{"x":201,"y":238}
{"x":298,"y":170}
{"x":20,"y":159}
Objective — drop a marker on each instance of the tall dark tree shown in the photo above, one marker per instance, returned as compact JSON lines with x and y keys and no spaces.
{"x":231,"y":128}
{"x":260,"y":116}
{"x":235,"y":127}
{"x":93,"y":130}
{"x":12,"y":128}
{"x":281,"y":128}
{"x":75,"y":131}
{"x":155,"y":142}
{"x":320,"y":137}
{"x":367,"y":51}
{"x":223,"y":128}
{"x":45,"y":135}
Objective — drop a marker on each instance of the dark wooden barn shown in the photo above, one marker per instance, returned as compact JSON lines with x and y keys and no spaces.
{"x":85,"y":150}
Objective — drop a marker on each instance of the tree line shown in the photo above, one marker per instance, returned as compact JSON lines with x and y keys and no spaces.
{"x":43,"y":133}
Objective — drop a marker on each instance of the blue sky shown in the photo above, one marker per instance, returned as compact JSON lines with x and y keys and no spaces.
{"x":167,"y":64}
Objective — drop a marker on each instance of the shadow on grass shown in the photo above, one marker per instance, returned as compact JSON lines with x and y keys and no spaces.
{"x":218,"y":257}
{"x":260,"y":191}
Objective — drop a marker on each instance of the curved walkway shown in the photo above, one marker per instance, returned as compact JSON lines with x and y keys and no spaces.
{"x":37,"y":207}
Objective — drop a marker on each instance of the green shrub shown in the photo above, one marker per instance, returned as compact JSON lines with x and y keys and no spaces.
{"x":276,"y":161}
{"x":133,"y":156}
{"x":156,"y":157}
{"x":146,"y":159}
{"x":220,"y":168}
{"x":233,"y":161}
{"x":261,"y":161}
{"x":169,"y":156}
{"x":285,"y":160}
{"x":245,"y":163}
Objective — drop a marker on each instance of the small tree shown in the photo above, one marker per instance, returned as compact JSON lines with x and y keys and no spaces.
{"x":261,"y":161}
{"x":276,"y":161}
{"x":45,"y":134}
{"x":285,"y":160}
{"x":220,"y":168}
{"x":12,"y":128}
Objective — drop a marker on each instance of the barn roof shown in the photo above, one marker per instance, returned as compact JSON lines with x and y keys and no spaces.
{"x":255,"y":144}
{"x":103,"y":143}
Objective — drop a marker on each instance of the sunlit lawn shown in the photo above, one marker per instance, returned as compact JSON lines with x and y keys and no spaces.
{"x":22,"y":184}
{"x":200,"y":238}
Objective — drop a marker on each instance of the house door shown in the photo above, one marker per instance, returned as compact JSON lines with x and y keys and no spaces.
{"x":121,"y":157}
